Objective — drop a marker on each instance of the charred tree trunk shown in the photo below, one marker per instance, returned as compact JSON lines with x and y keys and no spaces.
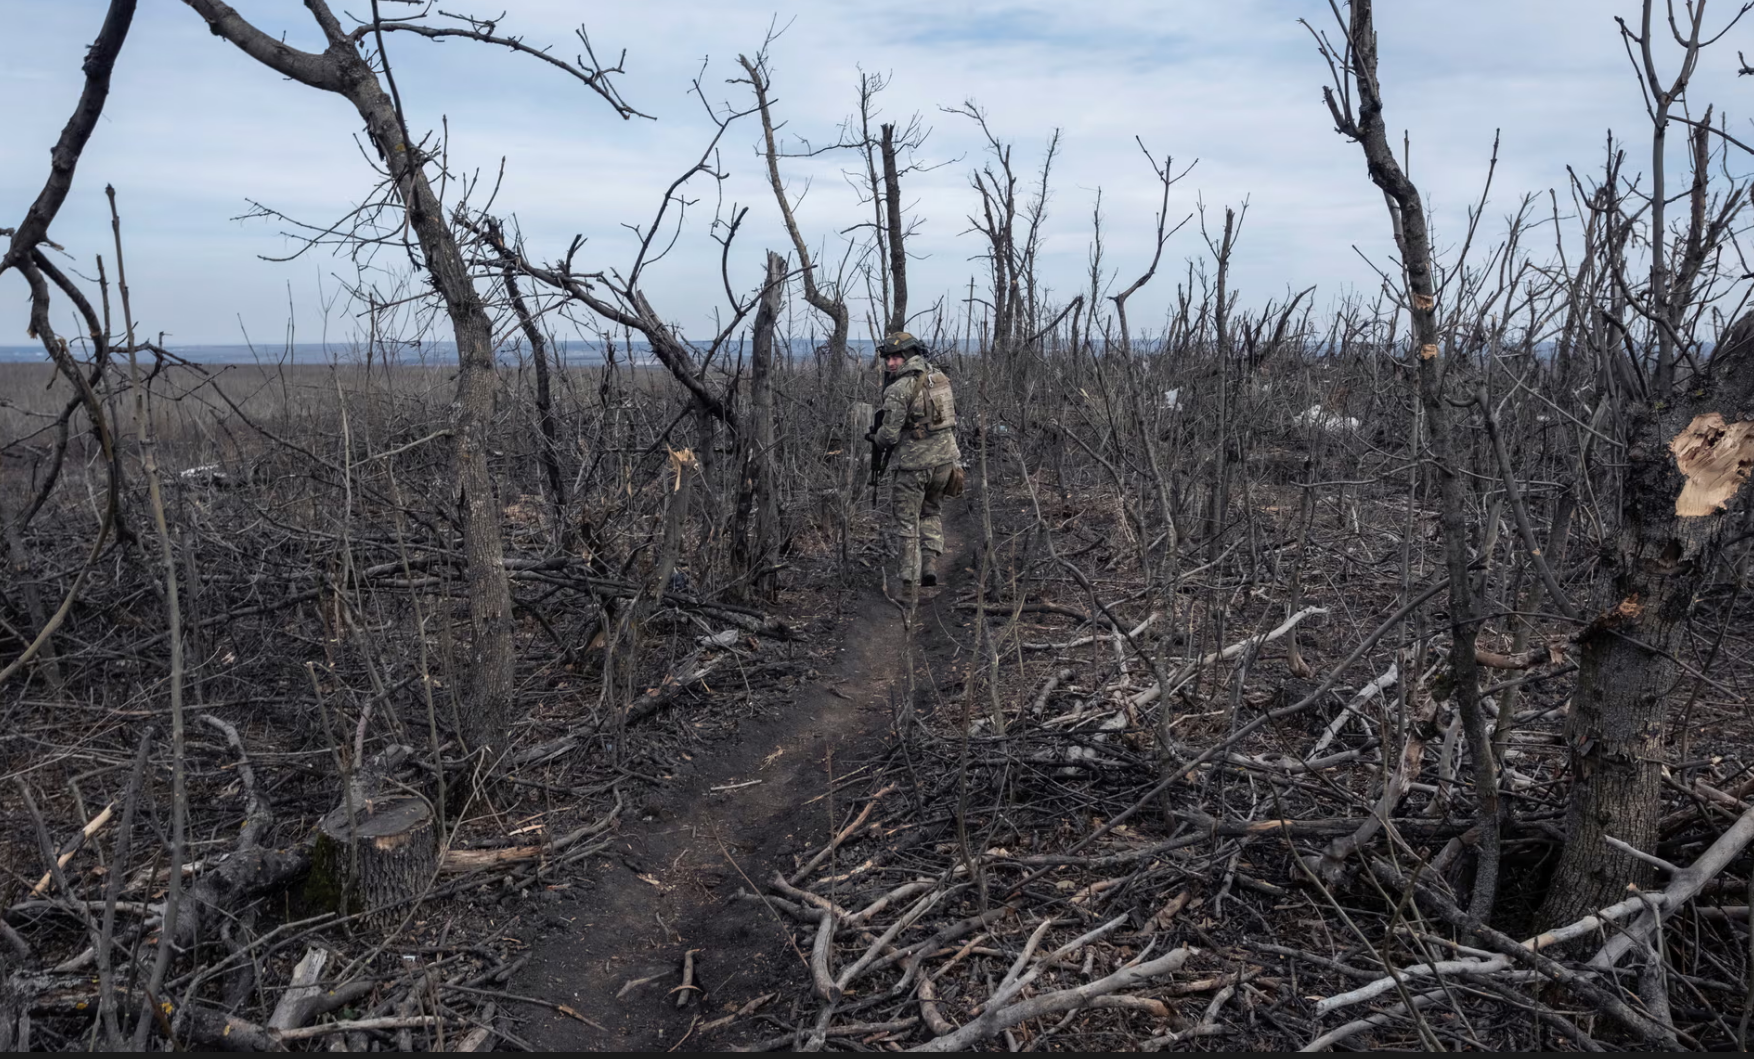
{"x":897,"y":252}
{"x":488,"y":691}
{"x":1219,"y":509}
{"x":761,"y":405}
{"x":1689,"y":447}
{"x":341,"y":69}
{"x":1407,"y":213}
{"x":550,"y":453}
{"x":756,"y":501}
{"x":1687,"y":461}
{"x":684,"y":466}
{"x":17,"y":562}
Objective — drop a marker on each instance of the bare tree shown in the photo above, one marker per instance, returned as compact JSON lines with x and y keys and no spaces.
{"x":1660,"y":98}
{"x":756,"y":490}
{"x":1682,"y":433}
{"x":24,"y":253}
{"x":539,"y":354}
{"x":1010,"y":252}
{"x":825,"y":299}
{"x":342,"y":69}
{"x":1356,"y":105}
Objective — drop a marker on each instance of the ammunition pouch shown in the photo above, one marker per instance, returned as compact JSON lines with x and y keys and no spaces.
{"x":953,"y":487}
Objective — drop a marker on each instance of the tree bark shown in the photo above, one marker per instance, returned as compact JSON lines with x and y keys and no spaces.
{"x":897,"y":252}
{"x":341,"y":69}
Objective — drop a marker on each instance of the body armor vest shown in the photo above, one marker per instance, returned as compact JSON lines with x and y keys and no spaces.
{"x":932,"y":409}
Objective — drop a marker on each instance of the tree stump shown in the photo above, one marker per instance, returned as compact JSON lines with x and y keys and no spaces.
{"x":392,"y":856}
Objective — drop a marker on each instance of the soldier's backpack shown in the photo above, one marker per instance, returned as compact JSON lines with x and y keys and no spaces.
{"x":932,"y":410}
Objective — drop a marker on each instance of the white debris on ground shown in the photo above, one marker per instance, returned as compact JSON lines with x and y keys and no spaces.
{"x":1319,"y":418}
{"x":206,"y":474}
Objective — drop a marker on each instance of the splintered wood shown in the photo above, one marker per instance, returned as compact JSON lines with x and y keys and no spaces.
{"x":1716,"y":458}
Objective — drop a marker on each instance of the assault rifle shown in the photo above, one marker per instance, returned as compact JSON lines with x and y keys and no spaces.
{"x":879,"y":455}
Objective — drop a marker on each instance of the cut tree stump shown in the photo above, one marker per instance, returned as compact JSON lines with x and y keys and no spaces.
{"x":393,"y":857}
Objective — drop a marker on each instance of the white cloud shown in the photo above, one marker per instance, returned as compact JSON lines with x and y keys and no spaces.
{"x":194,"y":128}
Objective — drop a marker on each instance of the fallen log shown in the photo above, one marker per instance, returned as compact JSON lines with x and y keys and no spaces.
{"x":1028,"y":608}
{"x":1551,"y":652}
{"x":456,"y":861}
{"x":850,"y":1029}
{"x":217,"y":1031}
{"x":235,"y":881}
{"x":1730,"y":800}
{"x":1372,"y":690}
{"x":1191,"y":667}
{"x":305,"y":998}
{"x":687,"y":673}
{"x":1322,"y":828}
{"x":1086,"y":641}
{"x":289,"y":1011}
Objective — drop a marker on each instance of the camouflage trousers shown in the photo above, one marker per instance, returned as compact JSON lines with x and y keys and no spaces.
{"x":915,"y":499}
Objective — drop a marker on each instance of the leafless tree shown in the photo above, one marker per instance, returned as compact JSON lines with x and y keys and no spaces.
{"x":1680,"y":430}
{"x":825,"y":297}
{"x":341,"y":69}
{"x":24,"y":253}
{"x":1356,"y":104}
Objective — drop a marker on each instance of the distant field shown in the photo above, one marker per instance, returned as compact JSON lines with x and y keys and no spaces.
{"x":571,"y":351}
{"x":315,"y":353}
{"x":196,"y":406}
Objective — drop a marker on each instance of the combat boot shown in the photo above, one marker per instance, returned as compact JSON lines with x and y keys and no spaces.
{"x":929,"y":570}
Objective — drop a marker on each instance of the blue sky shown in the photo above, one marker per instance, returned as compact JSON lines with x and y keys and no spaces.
{"x":194,"y":130}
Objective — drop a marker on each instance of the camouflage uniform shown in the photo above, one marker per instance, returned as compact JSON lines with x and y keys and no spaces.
{"x":919,"y":419}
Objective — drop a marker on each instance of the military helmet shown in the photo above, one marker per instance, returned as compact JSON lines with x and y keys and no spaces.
{"x":899,"y":344}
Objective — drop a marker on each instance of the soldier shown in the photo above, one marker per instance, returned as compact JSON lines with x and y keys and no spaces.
{"x":919,"y":424}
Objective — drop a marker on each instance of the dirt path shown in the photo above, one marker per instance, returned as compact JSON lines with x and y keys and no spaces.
{"x":667,"y":885}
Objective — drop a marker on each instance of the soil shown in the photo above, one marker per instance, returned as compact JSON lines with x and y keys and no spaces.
{"x":669,"y":884}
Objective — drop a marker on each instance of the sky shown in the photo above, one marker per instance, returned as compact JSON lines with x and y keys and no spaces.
{"x":195,"y":131}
